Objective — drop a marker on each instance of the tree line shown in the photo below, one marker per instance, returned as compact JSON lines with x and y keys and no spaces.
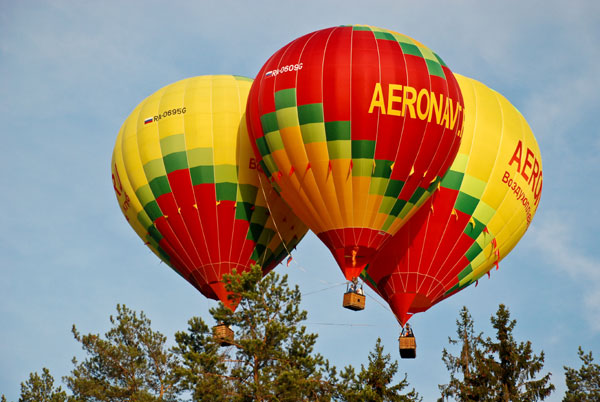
{"x":272,"y":358}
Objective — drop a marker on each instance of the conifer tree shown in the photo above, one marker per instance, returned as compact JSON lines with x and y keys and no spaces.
{"x":499,"y":369}
{"x":40,"y":388}
{"x":513,"y":365}
{"x":273,"y":355}
{"x":469,"y":376}
{"x":375,"y":382}
{"x":201,"y":368}
{"x":271,"y":359}
{"x":583,"y":385}
{"x":131,"y":363}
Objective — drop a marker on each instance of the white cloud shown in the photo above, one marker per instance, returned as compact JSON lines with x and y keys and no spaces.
{"x":554,"y":238}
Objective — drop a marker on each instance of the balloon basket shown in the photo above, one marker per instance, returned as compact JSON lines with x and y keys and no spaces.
{"x":408,"y":347}
{"x":354,"y":301}
{"x":223,"y":335}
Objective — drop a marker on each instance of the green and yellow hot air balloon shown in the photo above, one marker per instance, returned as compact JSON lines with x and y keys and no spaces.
{"x":355,"y":126}
{"x":187,"y":181}
{"x":482,"y":208}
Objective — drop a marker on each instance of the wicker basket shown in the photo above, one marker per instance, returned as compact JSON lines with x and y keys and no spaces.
{"x":408,"y":347}
{"x":354,"y":301}
{"x":223,"y":335}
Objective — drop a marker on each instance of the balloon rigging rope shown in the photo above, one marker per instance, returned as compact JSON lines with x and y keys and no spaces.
{"x":367,"y":294}
{"x":324,"y":289}
{"x":342,"y":325}
{"x":378,"y":302}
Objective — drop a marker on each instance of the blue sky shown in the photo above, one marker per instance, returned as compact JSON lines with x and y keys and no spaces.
{"x":71,"y":72}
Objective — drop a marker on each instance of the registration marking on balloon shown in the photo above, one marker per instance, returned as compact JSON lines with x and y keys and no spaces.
{"x":284,"y":69}
{"x":165,"y":114}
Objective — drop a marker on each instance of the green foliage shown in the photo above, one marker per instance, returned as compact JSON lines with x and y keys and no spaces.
{"x":273,"y":356}
{"x":201,"y":367}
{"x":271,"y":359}
{"x":470,"y":378}
{"x":516,"y":366}
{"x":130,"y":364}
{"x":497,"y":369}
{"x":583,"y":385}
{"x":40,"y":389}
{"x":374,"y":383}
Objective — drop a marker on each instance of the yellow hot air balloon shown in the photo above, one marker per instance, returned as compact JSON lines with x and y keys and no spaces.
{"x":186,"y":179}
{"x":483,"y":207}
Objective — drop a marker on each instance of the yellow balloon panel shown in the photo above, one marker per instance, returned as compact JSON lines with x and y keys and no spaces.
{"x":512,"y":193}
{"x":186,"y":163}
{"x":482,"y":208}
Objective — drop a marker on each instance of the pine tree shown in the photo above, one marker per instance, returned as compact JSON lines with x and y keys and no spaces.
{"x":497,"y":369}
{"x":131,"y":363}
{"x":374,"y":382}
{"x":583,"y":385}
{"x":201,"y":368}
{"x":516,"y":366}
{"x":40,"y":388}
{"x":272,"y":357}
{"x":469,"y":376}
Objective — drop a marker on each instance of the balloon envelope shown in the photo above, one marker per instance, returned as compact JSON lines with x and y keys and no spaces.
{"x":483,"y":207}
{"x":187,"y":182}
{"x":355,"y":126}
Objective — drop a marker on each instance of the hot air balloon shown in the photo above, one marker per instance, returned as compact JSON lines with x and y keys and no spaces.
{"x":186,"y":180}
{"x":355,"y":126}
{"x":483,"y":206}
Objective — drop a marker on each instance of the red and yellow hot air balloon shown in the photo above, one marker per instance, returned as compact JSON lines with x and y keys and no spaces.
{"x":355,"y":126}
{"x":187,"y":182}
{"x":483,"y":206}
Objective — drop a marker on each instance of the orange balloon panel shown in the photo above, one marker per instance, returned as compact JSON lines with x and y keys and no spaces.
{"x":355,"y":126}
{"x":482,"y":208}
